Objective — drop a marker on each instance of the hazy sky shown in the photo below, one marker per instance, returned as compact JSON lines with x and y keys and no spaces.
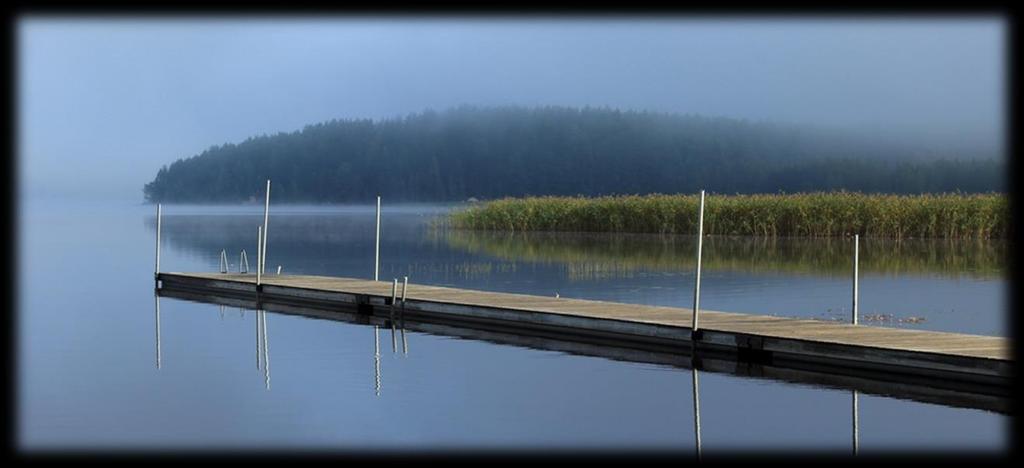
{"x":103,"y":103}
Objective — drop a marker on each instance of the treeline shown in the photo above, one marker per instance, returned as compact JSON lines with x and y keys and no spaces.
{"x":490,"y":153}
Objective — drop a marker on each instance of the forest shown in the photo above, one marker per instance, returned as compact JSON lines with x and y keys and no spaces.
{"x":495,"y":152}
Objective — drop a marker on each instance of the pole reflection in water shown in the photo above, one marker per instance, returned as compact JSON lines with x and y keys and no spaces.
{"x":405,"y":344}
{"x":376,"y":360}
{"x":856,"y":443}
{"x":259,"y":345}
{"x":266,"y":351}
{"x":696,"y":410}
{"x":394,"y":343}
{"x":157,"y":298}
{"x":262,"y":342}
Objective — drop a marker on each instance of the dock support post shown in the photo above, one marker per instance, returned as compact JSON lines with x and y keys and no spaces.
{"x":405,"y":344}
{"x":224,"y":268}
{"x":266,"y":218}
{"x":856,"y":254}
{"x":405,"y":285}
{"x":376,"y":248}
{"x":259,"y":256}
{"x":394,"y":297}
{"x":156,"y":271}
{"x":700,"y":242}
{"x":856,"y":292}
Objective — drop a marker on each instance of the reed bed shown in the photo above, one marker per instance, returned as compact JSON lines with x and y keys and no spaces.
{"x":821,"y":214}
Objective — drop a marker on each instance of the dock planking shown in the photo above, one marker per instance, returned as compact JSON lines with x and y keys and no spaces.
{"x":983,"y":359}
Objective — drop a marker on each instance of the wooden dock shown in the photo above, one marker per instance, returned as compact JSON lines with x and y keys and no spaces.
{"x":982,"y":362}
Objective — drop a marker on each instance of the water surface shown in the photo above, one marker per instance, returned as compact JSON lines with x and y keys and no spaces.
{"x":88,"y":376}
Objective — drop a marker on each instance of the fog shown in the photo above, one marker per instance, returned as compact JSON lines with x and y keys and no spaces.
{"x":103,"y":103}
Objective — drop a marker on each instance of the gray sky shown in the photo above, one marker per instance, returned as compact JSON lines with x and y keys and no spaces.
{"x":103,"y":103}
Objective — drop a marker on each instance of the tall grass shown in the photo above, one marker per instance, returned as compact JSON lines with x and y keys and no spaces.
{"x":951,"y":216}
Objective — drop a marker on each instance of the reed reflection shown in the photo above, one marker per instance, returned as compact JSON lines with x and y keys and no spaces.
{"x":607,"y":255}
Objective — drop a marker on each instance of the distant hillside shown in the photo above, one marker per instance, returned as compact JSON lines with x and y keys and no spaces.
{"x":512,"y":151}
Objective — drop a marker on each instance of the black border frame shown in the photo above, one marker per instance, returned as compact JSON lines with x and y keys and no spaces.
{"x":11,"y":187}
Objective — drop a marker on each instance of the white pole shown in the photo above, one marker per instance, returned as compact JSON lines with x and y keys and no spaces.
{"x":405,"y":284}
{"x":376,"y":251}
{"x":394,"y":293}
{"x":394,"y":298}
{"x":266,"y":216}
{"x":856,"y":259}
{"x":158,"y":217}
{"x":259,"y":253}
{"x":700,"y":242}
{"x":405,"y":344}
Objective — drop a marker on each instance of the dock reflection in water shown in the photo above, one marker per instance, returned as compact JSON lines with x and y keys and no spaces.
{"x":262,"y":338}
{"x":396,"y":324}
{"x":709,"y":362}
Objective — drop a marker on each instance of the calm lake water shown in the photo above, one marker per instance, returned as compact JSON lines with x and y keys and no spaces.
{"x":88,"y":376}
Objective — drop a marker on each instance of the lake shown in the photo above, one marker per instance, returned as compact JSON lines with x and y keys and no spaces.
{"x":87,"y":352}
